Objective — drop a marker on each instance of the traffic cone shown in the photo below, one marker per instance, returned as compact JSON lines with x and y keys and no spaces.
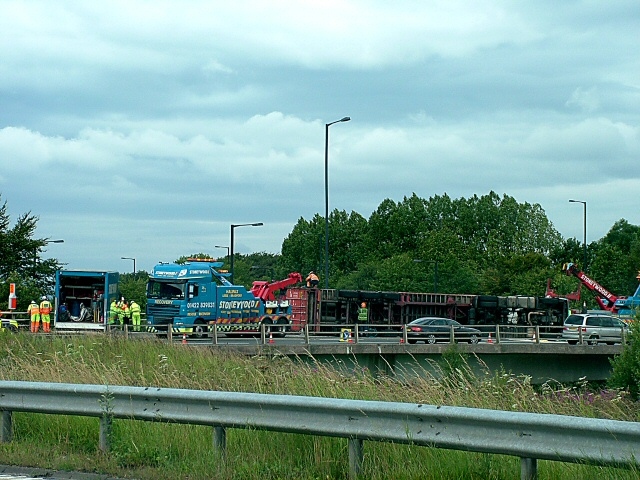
{"x":184,"y":338}
{"x":489,"y":340}
{"x":271,"y":340}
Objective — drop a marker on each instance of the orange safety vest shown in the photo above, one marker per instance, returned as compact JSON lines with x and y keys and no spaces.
{"x":45,"y":307}
{"x":33,"y":309}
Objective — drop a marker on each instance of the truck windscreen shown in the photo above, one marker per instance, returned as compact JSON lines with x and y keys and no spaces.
{"x":166,"y":289}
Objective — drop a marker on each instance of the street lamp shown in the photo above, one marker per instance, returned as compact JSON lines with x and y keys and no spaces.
{"x":326,"y":199}
{"x":134,"y":262}
{"x":584,"y":205}
{"x":223,"y":246}
{"x":231,"y":253}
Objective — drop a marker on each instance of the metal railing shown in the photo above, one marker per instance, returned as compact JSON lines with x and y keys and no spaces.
{"x":529,"y":436}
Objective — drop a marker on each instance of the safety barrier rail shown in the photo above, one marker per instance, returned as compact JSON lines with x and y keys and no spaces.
{"x":354,"y":333}
{"x":530,"y":436}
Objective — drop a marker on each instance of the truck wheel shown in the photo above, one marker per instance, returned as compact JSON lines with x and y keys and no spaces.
{"x":199,"y":330}
{"x":487,"y":301}
{"x":280,"y":328}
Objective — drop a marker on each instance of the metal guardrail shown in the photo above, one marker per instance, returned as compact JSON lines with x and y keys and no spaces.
{"x":529,"y":436}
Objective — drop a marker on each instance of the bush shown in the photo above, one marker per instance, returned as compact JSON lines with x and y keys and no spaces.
{"x":626,"y":366}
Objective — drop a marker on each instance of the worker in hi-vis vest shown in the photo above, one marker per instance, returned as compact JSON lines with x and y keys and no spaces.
{"x":134,"y":308}
{"x":45,"y":314}
{"x":33,"y":310}
{"x":363,"y":313}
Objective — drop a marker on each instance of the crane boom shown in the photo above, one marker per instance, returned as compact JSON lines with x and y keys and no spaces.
{"x":604,"y":297}
{"x":266,"y":290}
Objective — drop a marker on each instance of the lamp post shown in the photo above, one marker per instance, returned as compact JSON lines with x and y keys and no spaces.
{"x":326,"y":198}
{"x":584,"y":241}
{"x":231,"y":244}
{"x":223,"y":246}
{"x":134,"y":262}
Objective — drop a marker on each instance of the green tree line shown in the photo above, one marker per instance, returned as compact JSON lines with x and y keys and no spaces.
{"x":488,"y":244}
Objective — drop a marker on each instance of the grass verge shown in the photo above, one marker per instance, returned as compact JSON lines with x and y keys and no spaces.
{"x":158,"y":451}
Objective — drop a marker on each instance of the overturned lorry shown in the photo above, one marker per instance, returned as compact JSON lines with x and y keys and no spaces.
{"x":327,"y":310}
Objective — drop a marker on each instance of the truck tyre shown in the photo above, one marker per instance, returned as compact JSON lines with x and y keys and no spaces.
{"x":280,"y":328}
{"x":199,"y":329}
{"x":487,"y":301}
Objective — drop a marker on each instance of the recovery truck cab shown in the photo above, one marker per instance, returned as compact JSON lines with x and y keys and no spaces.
{"x":191,"y":297}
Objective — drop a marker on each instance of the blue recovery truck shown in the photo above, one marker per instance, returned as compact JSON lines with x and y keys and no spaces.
{"x":75,"y":288}
{"x":191,"y":297}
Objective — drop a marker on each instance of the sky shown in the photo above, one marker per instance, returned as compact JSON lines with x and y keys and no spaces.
{"x":145,"y":129}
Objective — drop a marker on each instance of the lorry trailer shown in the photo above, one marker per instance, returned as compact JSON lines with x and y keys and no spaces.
{"x":328,"y":310}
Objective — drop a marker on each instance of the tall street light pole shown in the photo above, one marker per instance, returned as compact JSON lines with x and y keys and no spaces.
{"x":326,"y":199}
{"x":584,"y":240}
{"x":231,"y":244}
{"x":134,"y":262}
{"x":224,"y":246}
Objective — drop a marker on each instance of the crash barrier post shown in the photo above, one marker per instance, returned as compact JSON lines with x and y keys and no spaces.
{"x":529,"y":436}
{"x":306,"y":333}
{"x":214,"y":333}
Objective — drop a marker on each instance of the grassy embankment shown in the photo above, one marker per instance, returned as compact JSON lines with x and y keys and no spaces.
{"x":146,"y":450}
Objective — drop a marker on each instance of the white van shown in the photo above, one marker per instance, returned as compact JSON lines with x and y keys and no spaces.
{"x":593,"y":328}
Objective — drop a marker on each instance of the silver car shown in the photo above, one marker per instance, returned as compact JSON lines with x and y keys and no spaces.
{"x":593,"y":328}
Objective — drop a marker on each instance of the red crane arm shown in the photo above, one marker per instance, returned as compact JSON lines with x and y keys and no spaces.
{"x":604,"y":297}
{"x":266,"y":290}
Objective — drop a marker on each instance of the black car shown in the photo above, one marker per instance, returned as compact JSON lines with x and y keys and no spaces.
{"x":436,"y":329}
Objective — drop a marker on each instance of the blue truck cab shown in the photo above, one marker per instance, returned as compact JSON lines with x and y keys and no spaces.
{"x":192,"y":296}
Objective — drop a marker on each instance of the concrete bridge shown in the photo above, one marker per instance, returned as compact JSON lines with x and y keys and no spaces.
{"x":541,"y":361}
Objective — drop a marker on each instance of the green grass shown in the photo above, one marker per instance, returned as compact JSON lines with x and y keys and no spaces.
{"x":146,"y":450}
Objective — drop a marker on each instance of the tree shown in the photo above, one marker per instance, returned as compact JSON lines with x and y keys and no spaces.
{"x":303,"y":249}
{"x":20,"y":260}
{"x":626,"y":366}
{"x":133,"y":286}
